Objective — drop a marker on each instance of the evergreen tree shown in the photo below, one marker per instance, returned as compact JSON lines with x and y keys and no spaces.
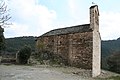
{"x":113,"y":62}
{"x":2,"y":39}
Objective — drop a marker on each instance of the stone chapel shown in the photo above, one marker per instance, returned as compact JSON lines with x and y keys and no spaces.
{"x":80,"y":45}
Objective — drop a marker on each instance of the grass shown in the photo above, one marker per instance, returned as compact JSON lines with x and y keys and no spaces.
{"x":114,"y":78}
{"x":110,"y":78}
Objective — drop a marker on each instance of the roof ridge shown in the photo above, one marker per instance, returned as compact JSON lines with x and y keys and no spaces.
{"x":66,"y":30}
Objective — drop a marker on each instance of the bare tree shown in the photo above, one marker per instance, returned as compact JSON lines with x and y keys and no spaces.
{"x":4,"y":16}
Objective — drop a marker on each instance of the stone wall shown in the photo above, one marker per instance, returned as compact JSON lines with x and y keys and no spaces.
{"x":96,"y":62}
{"x":80,"y":54}
{"x":75,"y":48}
{"x":94,"y":23}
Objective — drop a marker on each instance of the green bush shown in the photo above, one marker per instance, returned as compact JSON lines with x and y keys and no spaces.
{"x":24,"y":55}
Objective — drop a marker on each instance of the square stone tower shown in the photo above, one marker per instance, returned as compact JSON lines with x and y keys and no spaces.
{"x":94,"y":25}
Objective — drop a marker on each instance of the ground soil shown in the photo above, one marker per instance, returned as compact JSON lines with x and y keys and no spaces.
{"x":44,"y":72}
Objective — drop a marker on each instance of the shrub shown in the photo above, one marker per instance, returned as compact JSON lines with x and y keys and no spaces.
{"x":24,"y":54}
{"x":51,"y":57}
{"x":113,"y":62}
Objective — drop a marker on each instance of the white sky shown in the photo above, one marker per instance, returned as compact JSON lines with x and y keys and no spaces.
{"x":35,"y":17}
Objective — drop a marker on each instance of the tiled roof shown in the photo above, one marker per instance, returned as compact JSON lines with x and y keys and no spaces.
{"x":67,"y":30}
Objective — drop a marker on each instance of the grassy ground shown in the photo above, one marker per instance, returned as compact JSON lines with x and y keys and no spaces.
{"x":111,"y":78}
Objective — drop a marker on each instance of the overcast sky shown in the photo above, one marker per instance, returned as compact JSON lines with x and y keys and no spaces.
{"x":35,"y":17}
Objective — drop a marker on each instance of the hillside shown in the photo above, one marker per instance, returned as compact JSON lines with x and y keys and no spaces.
{"x":15,"y":44}
{"x":108,"y":48}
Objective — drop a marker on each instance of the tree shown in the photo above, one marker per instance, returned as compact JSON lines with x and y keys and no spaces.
{"x":113,"y":62}
{"x":4,"y":17}
{"x":24,"y":54}
{"x":2,"y":39}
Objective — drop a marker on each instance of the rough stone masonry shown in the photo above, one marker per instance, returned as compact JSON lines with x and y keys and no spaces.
{"x":80,"y":45}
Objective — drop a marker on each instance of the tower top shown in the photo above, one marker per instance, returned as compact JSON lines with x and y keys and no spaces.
{"x":94,"y":17}
{"x":93,"y":6}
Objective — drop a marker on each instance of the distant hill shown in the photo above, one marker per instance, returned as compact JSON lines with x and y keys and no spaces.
{"x":15,"y":44}
{"x":108,"y":47}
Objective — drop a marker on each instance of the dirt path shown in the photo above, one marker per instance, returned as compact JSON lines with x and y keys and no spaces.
{"x":18,"y":72}
{"x":13,"y":72}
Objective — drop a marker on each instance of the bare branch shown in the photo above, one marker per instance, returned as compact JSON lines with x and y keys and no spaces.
{"x":4,"y":17}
